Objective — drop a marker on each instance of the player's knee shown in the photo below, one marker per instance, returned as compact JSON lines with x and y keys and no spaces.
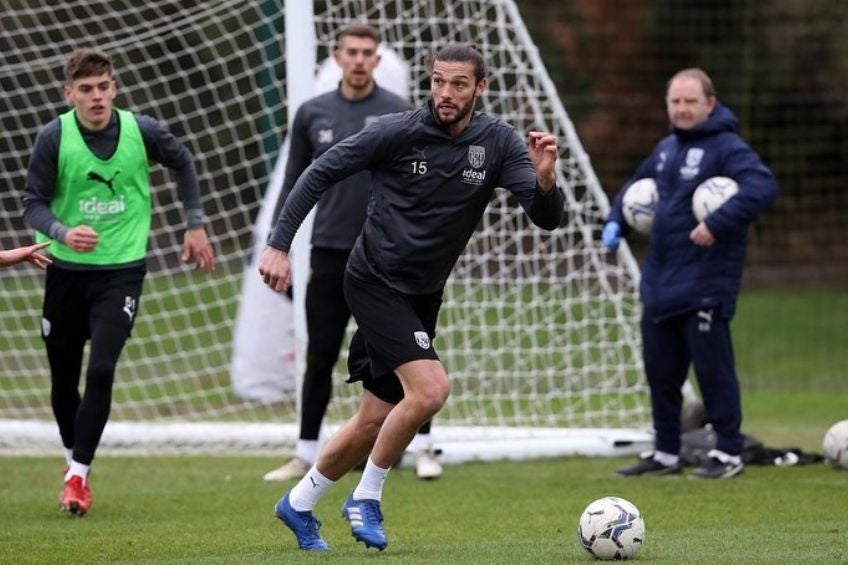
{"x":367,"y":425}
{"x":432,"y":397}
{"x":100,"y":374}
{"x":368,"y":430}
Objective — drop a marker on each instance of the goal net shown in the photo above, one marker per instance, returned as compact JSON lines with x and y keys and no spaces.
{"x":539,"y":331}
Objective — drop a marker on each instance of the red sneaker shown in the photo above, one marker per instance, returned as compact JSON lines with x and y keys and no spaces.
{"x":76,"y":496}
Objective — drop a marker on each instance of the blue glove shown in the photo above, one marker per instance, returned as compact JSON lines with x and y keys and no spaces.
{"x":611,"y":236}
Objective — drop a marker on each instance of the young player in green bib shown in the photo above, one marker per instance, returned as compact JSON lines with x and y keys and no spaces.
{"x":88,"y":194}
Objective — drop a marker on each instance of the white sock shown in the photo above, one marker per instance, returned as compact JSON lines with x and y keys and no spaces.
{"x":725,"y":458}
{"x":667,"y":459}
{"x":370,"y":487}
{"x":69,"y":456}
{"x":79,"y":470}
{"x":308,"y":490}
{"x":307,"y":450}
{"x":420,"y":442}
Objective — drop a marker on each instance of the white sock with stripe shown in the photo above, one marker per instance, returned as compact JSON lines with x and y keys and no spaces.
{"x":308,"y":490}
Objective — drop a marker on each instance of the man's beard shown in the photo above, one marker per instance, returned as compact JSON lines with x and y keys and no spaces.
{"x":461,"y":112}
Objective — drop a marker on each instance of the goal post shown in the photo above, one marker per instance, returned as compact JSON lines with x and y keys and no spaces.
{"x":538,"y":331}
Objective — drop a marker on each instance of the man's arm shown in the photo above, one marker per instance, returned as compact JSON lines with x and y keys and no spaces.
{"x":298,"y":159}
{"x":30,"y":253}
{"x":757,"y":190}
{"x":529,"y":173}
{"x":164,"y":148}
{"x":616,"y":226}
{"x":41,"y":183}
{"x":356,"y":153}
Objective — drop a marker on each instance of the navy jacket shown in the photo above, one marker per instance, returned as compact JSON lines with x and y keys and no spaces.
{"x":679,"y":276}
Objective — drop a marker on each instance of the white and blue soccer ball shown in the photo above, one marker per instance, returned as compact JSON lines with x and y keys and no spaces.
{"x":638,"y":205}
{"x":611,"y":528}
{"x":711,"y":194}
{"x":835,"y":445}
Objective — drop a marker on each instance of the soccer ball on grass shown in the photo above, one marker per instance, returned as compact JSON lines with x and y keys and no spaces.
{"x":835,"y":445}
{"x":711,"y":194}
{"x":611,"y":528}
{"x":638,"y":204}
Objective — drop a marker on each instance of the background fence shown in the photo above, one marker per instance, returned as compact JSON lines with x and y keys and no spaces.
{"x":780,"y":66}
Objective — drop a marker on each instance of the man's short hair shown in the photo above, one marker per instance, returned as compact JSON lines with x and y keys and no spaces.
{"x":463,"y":53}
{"x":698,"y":74}
{"x":357,"y":30}
{"x":85,"y":62}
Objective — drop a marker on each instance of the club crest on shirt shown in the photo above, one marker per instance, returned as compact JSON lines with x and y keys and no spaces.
{"x":693,"y":159}
{"x":477,"y":158}
{"x":422,"y":339}
{"x":476,"y":155}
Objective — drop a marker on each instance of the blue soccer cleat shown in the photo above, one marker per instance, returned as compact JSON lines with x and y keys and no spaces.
{"x":304,"y":525}
{"x":366,"y":522}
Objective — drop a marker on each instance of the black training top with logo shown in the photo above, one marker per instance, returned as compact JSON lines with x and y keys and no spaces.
{"x":320,"y":123}
{"x":429,"y":191}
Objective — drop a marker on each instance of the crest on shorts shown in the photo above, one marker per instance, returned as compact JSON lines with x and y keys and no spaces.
{"x":476,"y":155}
{"x":45,"y":327}
{"x":422,"y":339}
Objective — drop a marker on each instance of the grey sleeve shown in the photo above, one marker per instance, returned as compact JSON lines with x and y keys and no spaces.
{"x":518,"y":175}
{"x":299,"y":157}
{"x":41,"y":183}
{"x":356,"y":153}
{"x":164,"y":148}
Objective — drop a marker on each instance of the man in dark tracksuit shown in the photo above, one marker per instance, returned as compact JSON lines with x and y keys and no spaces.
{"x":320,"y":123}
{"x":692,"y":272}
{"x":433,"y":171}
{"x":88,"y":193}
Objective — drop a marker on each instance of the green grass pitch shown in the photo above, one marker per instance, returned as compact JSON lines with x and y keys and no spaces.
{"x":218,"y":510}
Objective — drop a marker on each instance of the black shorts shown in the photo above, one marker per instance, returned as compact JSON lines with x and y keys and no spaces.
{"x":74,"y":301}
{"x":394,"y":328}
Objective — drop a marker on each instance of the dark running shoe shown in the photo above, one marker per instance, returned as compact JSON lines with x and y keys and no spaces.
{"x":647,"y":465}
{"x":714,"y":468}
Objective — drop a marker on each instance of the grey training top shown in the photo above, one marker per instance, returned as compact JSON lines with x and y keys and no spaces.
{"x":429,"y":191}
{"x":320,"y":123}
{"x":161,"y":146}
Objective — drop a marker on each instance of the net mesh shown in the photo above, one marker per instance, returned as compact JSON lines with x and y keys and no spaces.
{"x":536,"y":329}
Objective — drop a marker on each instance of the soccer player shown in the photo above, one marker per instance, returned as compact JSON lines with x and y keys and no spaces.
{"x":692,"y":272}
{"x":433,"y":172}
{"x":318,"y":124}
{"x":88,"y":193}
{"x":28,"y":254}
